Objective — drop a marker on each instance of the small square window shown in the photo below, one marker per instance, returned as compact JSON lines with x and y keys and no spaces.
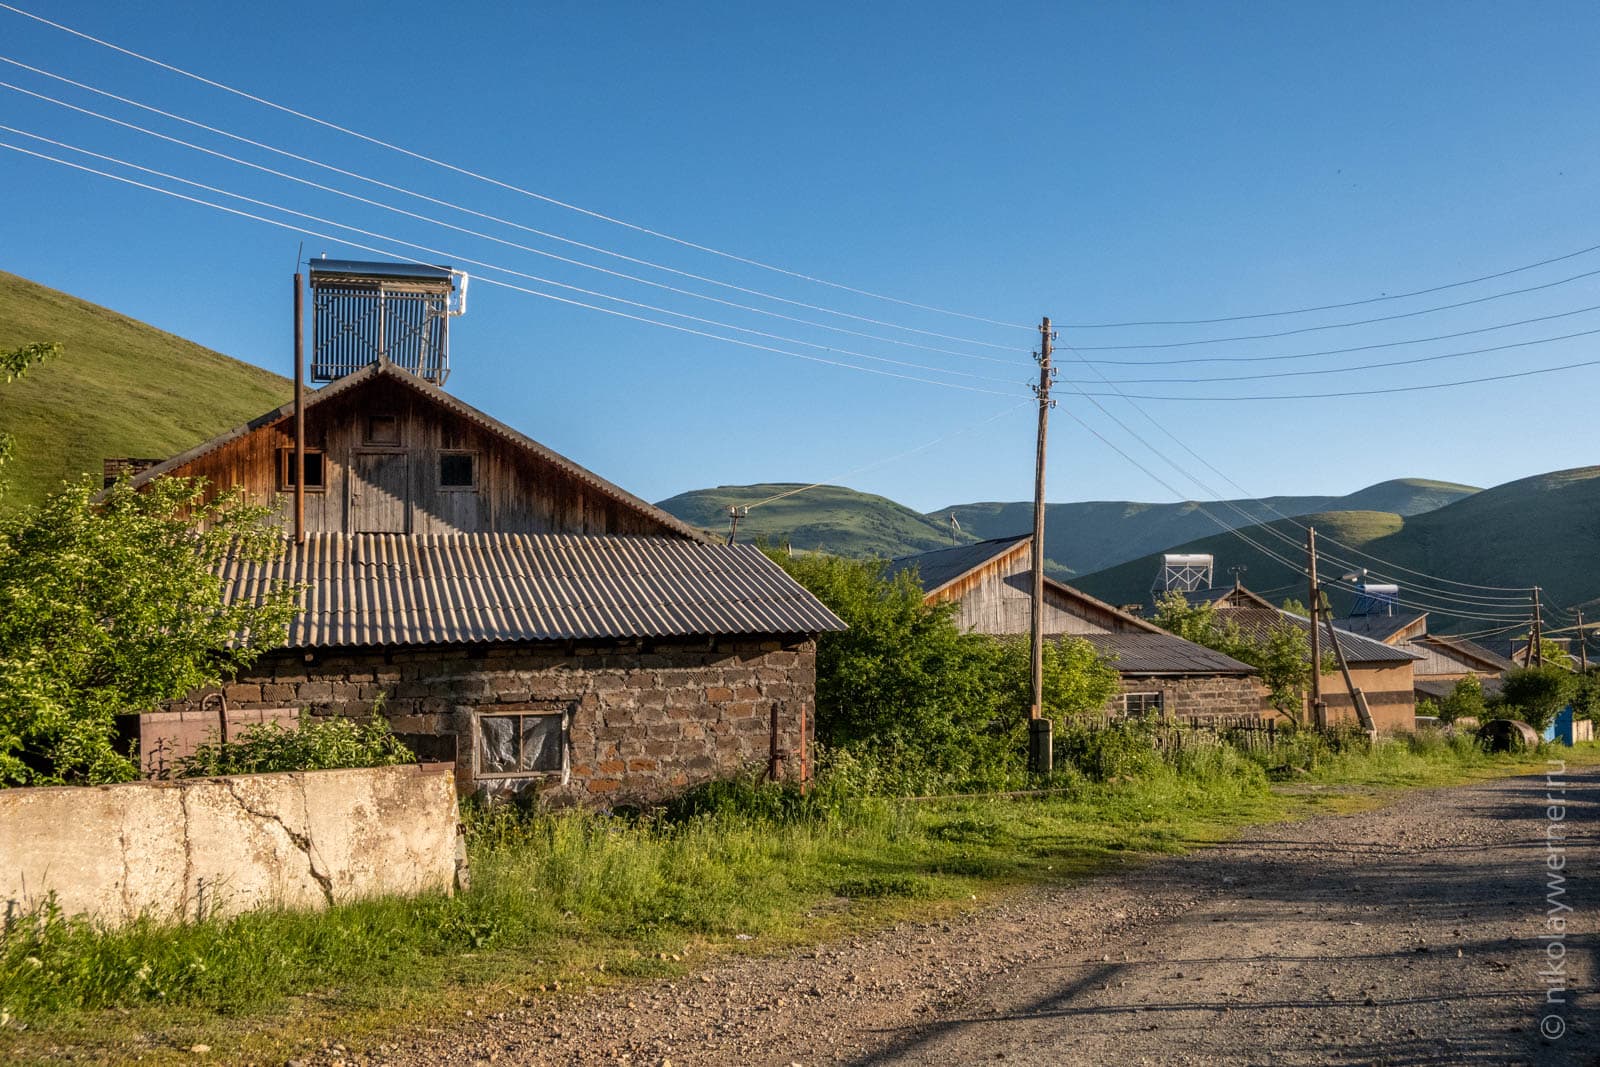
{"x":315,"y":470}
{"x":458,"y":470}
{"x":1141,"y":705}
{"x":521,"y":744}
{"x":383,"y":430}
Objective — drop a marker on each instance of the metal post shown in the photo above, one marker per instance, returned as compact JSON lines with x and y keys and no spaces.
{"x":1319,"y":709}
{"x":299,"y":412}
{"x":1040,"y":743}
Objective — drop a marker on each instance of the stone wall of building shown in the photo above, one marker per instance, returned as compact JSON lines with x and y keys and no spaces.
{"x":1201,"y":697}
{"x":639,"y":719}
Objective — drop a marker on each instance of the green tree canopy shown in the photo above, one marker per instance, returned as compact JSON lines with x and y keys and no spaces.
{"x":1283,"y":656}
{"x":1535,"y":694}
{"x":108,"y":607}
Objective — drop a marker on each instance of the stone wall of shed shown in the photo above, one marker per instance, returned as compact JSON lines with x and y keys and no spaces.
{"x":1200,"y":697}
{"x":645,"y":718}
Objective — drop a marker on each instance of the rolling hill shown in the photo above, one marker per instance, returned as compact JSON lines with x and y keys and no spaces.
{"x":829,"y":518}
{"x":1079,"y":537}
{"x":1543,"y":531}
{"x":1096,"y":534}
{"x":119,"y":388}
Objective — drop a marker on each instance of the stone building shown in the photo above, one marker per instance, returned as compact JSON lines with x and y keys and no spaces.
{"x":1161,"y":674}
{"x":508,"y":610}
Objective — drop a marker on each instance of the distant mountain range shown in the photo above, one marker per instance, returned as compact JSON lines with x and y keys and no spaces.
{"x":1079,"y":538}
{"x":1542,"y":531}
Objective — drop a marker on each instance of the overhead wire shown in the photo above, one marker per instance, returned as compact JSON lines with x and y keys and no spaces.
{"x":508,"y":186}
{"x":1360,"y":392}
{"x":495,"y":281}
{"x":508,"y":270}
{"x":298,"y":157}
{"x":1342,"y":325}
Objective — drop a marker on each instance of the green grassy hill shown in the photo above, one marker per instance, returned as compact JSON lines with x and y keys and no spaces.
{"x":829,"y":518}
{"x":1097,"y":534}
{"x":1541,"y":531}
{"x":119,"y":388}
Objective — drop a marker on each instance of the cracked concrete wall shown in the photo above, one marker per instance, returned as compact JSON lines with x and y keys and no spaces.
{"x":220,"y":846}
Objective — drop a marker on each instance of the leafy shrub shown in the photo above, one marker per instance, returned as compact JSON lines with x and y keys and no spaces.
{"x":1465,"y":701}
{"x":1535,"y":694}
{"x":927,"y":707}
{"x":331,"y":744}
{"x":1103,"y":752}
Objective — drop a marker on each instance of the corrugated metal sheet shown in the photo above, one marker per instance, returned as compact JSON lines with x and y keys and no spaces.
{"x":390,"y":589}
{"x":1379,"y":627}
{"x":1164,"y":654}
{"x":1256,"y":623}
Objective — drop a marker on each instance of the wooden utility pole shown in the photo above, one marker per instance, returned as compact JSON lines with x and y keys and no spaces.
{"x":1041,"y":757}
{"x":1583,"y":646}
{"x":1533,"y":655}
{"x":735,"y":513}
{"x":299,"y":412}
{"x":1358,"y":699}
{"x":1319,"y":709}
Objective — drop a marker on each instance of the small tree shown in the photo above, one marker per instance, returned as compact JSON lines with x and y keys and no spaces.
{"x":1586,"y":695}
{"x":108,"y":607}
{"x":1283,"y":655}
{"x":14,"y":363}
{"x":1535,"y":694}
{"x":1464,"y":701}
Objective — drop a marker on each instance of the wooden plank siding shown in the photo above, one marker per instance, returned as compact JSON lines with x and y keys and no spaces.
{"x":997,"y":599}
{"x":515,"y":491}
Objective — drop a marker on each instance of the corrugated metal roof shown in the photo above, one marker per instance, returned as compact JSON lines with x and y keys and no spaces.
{"x":1144,"y":653}
{"x":1471,"y":649}
{"x":439,"y":396}
{"x":393,"y":589}
{"x":940,"y":567}
{"x":1255,"y":623}
{"x":1222,"y":595}
{"x":1379,"y":627}
{"x":1441,"y":688}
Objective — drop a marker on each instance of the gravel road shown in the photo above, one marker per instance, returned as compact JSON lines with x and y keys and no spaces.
{"x":1406,"y":935}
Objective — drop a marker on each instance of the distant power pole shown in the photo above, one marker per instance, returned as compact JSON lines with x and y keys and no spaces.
{"x":735,"y":513}
{"x":1536,"y":634}
{"x":1041,"y":758}
{"x":1583,"y":645}
{"x":1319,"y":709}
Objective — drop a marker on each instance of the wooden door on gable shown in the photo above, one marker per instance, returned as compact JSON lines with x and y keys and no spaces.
{"x":379,"y":497}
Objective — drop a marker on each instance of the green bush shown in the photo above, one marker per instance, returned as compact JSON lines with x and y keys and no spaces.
{"x":1105,"y":752}
{"x":330,"y":744}
{"x":1466,"y":701}
{"x":1535,"y":694}
{"x":927,"y":707}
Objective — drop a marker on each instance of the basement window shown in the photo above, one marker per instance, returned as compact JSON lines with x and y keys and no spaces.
{"x":521,"y":743}
{"x":1141,"y":705}
{"x":458,"y":470}
{"x":316,"y":480}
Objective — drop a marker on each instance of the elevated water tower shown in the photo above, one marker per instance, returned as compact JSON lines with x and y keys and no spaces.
{"x":365,"y":313}
{"x":1184,"y":572}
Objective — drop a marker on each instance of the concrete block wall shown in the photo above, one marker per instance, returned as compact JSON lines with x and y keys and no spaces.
{"x":1200,"y":697}
{"x":201,"y":847}
{"x":644,"y":719}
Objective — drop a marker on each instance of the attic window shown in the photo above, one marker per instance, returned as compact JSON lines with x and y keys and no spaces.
{"x":315,"y":474}
{"x":382,"y":430}
{"x":458,"y":470}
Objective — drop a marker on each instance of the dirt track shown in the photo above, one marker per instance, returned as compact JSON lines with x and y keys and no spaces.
{"x":1408,"y":935}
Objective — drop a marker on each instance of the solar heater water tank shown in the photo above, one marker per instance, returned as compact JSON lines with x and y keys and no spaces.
{"x":364,"y":313}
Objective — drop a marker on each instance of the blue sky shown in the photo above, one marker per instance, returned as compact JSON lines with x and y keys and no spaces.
{"x":1096,"y":163}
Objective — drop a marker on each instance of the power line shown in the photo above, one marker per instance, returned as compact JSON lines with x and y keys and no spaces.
{"x":495,"y":281}
{"x":508,"y":186}
{"x":1339,"y":306}
{"x":477,"y":214}
{"x":1355,"y":367}
{"x":1344,"y":325}
{"x":1360,"y":392}
{"x":1332,"y":351}
{"x":1440,"y":594}
{"x":493,"y":266}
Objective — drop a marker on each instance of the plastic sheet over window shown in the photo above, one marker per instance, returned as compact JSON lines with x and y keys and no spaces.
{"x":520,"y":744}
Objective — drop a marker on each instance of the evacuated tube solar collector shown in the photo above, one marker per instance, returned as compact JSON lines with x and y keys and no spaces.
{"x":365,"y":313}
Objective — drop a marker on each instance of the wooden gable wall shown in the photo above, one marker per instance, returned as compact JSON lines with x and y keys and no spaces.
{"x":516,"y":492}
{"x":996,"y":599}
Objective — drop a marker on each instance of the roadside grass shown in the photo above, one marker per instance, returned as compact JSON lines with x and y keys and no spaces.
{"x":561,"y":902}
